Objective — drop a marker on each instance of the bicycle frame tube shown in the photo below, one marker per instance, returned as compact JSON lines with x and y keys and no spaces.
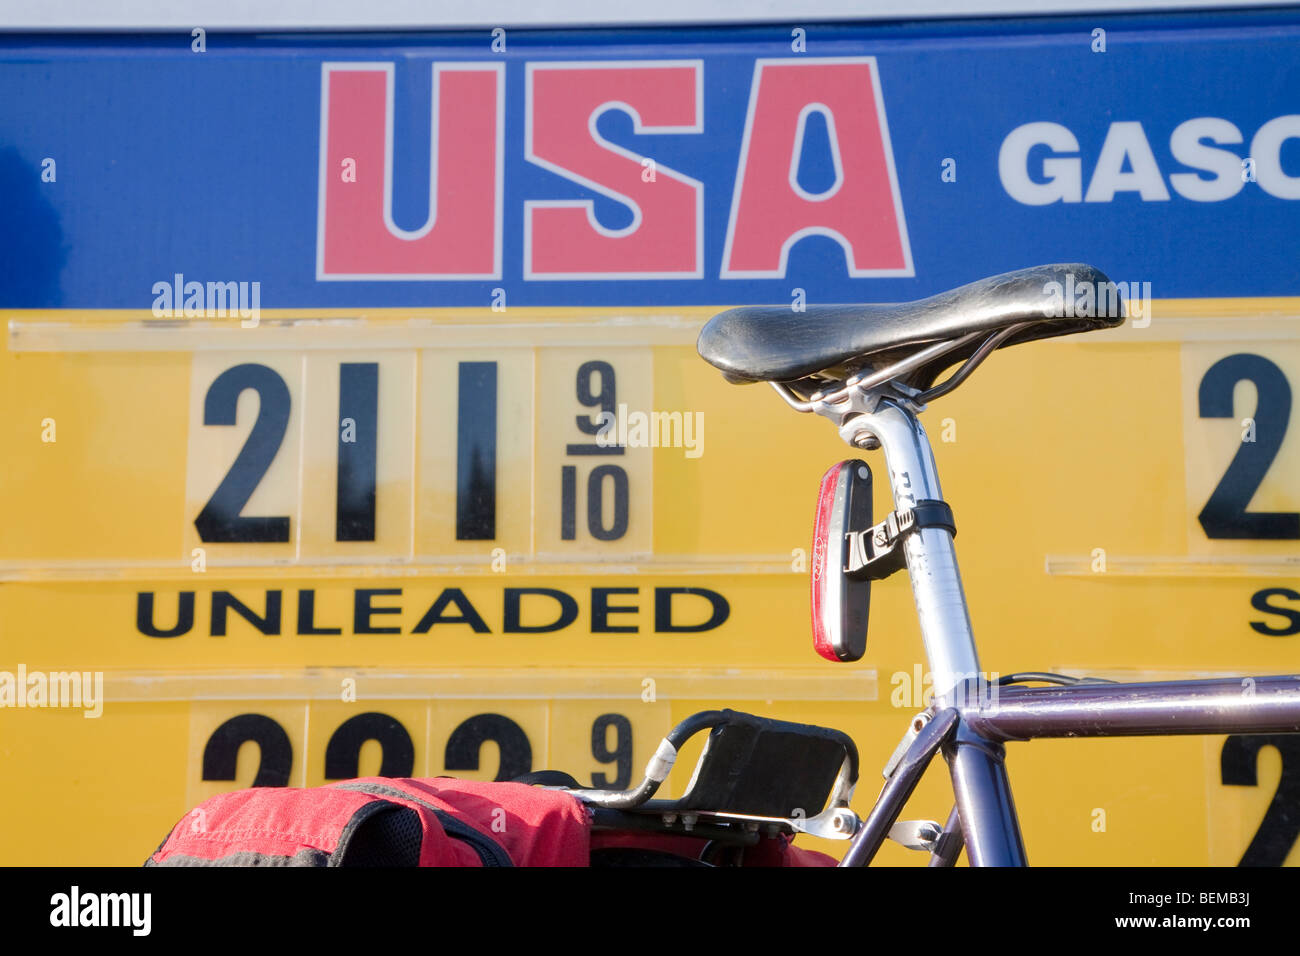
{"x":984,"y":810}
{"x":973,"y":734}
{"x":1234,"y":705}
{"x":989,"y":826}
{"x":982,"y":793}
{"x":871,"y":834}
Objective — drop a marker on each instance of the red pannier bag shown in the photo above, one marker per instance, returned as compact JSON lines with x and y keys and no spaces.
{"x":437,"y":821}
{"x":381,"y":821}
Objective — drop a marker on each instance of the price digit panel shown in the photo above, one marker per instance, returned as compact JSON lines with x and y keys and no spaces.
{"x":599,"y":743}
{"x":431,"y":455}
{"x":538,"y":545}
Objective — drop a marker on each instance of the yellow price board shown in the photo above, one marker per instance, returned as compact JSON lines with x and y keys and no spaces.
{"x":341,"y":544}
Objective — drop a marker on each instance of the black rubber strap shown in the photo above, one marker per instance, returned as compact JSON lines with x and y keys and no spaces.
{"x":932,"y":513}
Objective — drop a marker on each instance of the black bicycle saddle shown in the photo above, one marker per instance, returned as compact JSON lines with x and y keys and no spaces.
{"x":778,"y":344}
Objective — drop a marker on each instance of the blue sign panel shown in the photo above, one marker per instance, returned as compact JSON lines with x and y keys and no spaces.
{"x":650,"y":167}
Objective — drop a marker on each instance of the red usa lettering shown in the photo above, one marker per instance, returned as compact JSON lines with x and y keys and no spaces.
{"x":357,"y":238}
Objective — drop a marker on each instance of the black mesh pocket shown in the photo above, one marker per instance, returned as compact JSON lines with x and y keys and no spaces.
{"x":388,"y":836}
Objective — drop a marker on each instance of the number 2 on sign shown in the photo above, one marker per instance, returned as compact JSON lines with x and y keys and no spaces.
{"x":1225,"y":514}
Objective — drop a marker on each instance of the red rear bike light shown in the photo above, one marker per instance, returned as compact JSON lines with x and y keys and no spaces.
{"x":840,"y":604}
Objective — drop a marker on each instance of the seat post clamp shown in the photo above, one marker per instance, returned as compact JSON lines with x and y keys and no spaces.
{"x":876,"y":552}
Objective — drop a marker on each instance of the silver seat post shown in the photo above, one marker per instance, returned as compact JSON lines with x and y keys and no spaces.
{"x":982,"y":792}
{"x":931,"y":557}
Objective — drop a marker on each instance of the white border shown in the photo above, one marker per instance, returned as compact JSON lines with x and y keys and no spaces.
{"x":854,"y":272}
{"x":486,"y":14}
{"x":530,"y":274}
{"x":329,"y":67}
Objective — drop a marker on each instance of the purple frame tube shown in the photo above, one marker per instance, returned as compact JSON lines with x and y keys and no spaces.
{"x":971,"y":739}
{"x":1251,"y":705}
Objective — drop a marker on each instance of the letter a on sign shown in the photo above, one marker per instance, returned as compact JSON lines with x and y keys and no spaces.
{"x":861,"y":210}
{"x":461,"y":237}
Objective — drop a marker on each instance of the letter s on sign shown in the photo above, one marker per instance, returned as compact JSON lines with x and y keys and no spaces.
{"x":1259,"y":601}
{"x":564,"y":238}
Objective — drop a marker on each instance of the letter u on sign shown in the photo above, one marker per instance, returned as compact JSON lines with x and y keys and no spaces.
{"x":461,"y":238}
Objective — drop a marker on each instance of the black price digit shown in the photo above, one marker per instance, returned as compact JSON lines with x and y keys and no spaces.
{"x":620,"y":755}
{"x":568,"y":502}
{"x":605,"y":402}
{"x":1281,"y":824}
{"x":220,"y":519}
{"x":604,"y":399}
{"x":1225,"y":514}
{"x":221,"y":752}
{"x":476,"y":452}
{"x":596,"y":503}
{"x":354,"y":511}
{"x":596,"y":486}
{"x":343,"y":752}
{"x":467,"y":740}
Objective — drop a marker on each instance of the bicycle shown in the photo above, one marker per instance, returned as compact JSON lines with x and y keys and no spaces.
{"x":872,"y":370}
